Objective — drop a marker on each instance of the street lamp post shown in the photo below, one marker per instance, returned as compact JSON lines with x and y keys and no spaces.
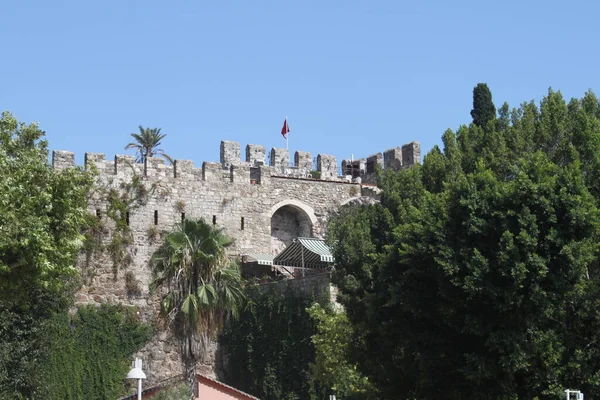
{"x":137,"y":373}
{"x":577,"y":393}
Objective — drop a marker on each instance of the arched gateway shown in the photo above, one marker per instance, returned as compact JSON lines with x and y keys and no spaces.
{"x":290,"y":219}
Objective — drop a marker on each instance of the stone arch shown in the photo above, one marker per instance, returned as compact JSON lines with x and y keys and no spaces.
{"x":351,"y":200}
{"x":290,"y":219}
{"x":358,"y":200}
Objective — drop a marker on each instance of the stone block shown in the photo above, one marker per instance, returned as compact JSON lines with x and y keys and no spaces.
{"x":230,"y":153}
{"x":392,"y":159}
{"x":97,"y":159}
{"x":126,"y":165}
{"x":240,"y":174}
{"x":264,"y":175}
{"x":255,"y":155}
{"x":327,"y":165}
{"x":155,"y":167}
{"x":211,"y":171}
{"x":63,"y":159}
{"x":373,"y":161}
{"x":183,"y":168}
{"x":411,"y":154}
{"x":303,"y":160}
{"x":280,"y":159}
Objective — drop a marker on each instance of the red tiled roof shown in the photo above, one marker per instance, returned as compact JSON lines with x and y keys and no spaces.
{"x":226,"y":388}
{"x":200,"y":378}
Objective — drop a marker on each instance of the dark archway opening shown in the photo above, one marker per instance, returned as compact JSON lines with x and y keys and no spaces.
{"x":288,"y":223}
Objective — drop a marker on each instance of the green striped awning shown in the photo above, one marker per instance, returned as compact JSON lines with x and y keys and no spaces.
{"x":260,"y":259}
{"x":305,"y":253}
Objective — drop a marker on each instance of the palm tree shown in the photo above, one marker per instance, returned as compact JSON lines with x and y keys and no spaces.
{"x":146,"y":143}
{"x":202,"y":287}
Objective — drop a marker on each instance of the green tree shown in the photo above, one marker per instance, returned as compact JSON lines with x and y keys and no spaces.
{"x":42,"y":215}
{"x":481,"y":279}
{"x":483,"y":110}
{"x":146,"y":144}
{"x":332,"y":368}
{"x":202,"y":286}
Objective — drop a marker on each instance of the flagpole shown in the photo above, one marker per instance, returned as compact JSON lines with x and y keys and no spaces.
{"x":287,"y":147}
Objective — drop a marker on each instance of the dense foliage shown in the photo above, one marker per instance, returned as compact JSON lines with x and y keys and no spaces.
{"x":91,"y":352}
{"x":42,"y":215}
{"x":477,"y":275}
{"x":332,"y":368}
{"x":269,"y":347}
{"x":22,"y":342}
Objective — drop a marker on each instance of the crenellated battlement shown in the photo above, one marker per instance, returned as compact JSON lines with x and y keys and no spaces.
{"x":232,"y":168}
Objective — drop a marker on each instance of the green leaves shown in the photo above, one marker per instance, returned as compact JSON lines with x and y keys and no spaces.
{"x":147,"y":143}
{"x":332,"y":367}
{"x":477,"y":275}
{"x":483,"y":110}
{"x":42,"y":213}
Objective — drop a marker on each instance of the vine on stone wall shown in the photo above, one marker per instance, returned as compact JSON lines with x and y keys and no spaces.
{"x":269,"y":346}
{"x":118,"y":203}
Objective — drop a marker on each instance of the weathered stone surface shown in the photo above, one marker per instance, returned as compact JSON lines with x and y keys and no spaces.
{"x":280,"y":159}
{"x":255,"y":155}
{"x":230,"y":153}
{"x":392,"y":158}
{"x":276,"y":203}
{"x":411,"y":154}
{"x":327,"y":165}
{"x":303,"y":159}
{"x":63,"y":159}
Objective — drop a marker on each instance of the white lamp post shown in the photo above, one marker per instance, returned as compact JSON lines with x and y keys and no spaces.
{"x":137,"y":373}
{"x":577,"y":393}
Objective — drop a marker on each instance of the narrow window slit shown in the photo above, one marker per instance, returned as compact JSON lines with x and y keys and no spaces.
{"x":214,"y":219}
{"x":98,"y":214}
{"x":182,"y":217}
{"x":127,"y":218}
{"x":242,"y":224}
{"x":155,"y":217}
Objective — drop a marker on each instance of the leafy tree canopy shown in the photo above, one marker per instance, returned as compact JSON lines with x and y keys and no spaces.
{"x":332,"y":368}
{"x":42,"y":214}
{"x":477,"y":275}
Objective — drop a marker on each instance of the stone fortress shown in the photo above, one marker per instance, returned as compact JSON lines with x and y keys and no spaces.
{"x":262,"y":203}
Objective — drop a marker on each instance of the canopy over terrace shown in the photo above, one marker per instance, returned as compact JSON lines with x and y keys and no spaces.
{"x":306,"y":253}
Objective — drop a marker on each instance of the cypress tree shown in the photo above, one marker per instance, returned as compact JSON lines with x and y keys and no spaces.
{"x":483,"y":107}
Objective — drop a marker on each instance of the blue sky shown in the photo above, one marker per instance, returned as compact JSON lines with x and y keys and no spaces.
{"x":353,"y":77}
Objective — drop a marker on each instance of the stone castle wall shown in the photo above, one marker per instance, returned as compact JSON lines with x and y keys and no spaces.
{"x":260,"y":206}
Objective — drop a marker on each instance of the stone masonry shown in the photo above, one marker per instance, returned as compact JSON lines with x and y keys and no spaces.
{"x":261,"y":207}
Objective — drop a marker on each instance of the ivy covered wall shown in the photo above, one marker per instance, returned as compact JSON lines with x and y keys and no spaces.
{"x":90,"y":353}
{"x":269,"y":347}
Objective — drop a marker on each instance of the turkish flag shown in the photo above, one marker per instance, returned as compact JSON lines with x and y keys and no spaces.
{"x":285,"y":129}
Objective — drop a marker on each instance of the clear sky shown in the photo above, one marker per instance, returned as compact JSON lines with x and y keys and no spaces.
{"x":353,"y":77}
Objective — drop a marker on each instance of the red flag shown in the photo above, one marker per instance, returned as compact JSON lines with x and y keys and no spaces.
{"x":285,"y":129}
